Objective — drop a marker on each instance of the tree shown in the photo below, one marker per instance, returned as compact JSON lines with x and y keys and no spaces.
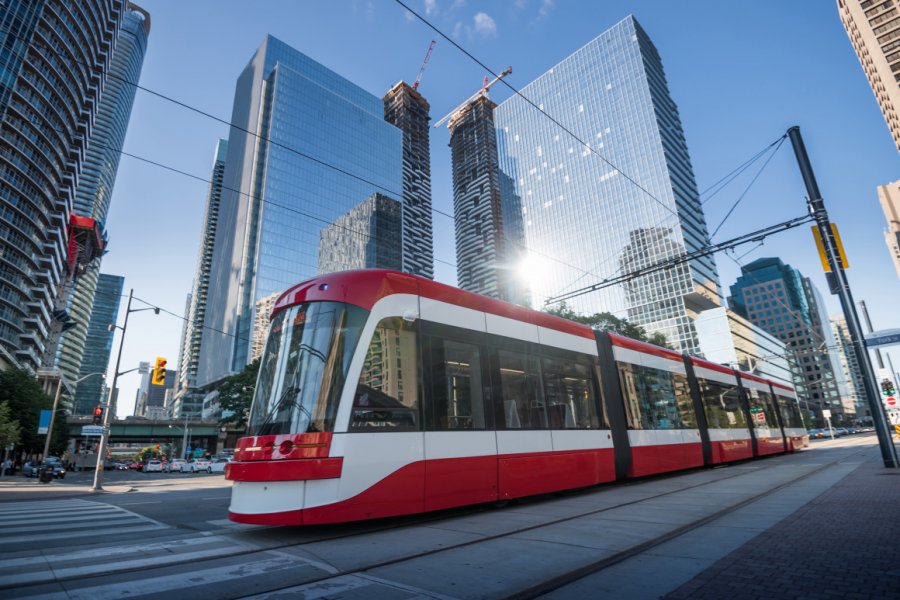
{"x":10,"y":430}
{"x":22,"y":392}
{"x":236,"y":395}
{"x":608,"y":322}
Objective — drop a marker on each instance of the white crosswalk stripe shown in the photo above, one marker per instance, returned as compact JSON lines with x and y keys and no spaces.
{"x":66,"y":519}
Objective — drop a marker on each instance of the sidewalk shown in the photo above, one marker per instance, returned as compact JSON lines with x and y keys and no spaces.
{"x":845,"y":543}
{"x":21,"y":488}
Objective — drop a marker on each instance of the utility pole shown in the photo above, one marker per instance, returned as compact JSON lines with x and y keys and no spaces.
{"x":817,"y":209}
{"x":865,"y":311}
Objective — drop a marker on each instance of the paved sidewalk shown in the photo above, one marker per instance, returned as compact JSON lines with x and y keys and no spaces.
{"x":21,"y":488}
{"x":843,"y":544}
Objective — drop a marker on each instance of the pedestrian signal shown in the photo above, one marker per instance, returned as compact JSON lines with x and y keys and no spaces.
{"x":887,"y":387}
{"x":159,"y":372}
{"x":98,"y":415}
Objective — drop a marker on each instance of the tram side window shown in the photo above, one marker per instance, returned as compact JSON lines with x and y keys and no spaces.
{"x":761,"y":409}
{"x":569,"y":392}
{"x":457,"y":391}
{"x":656,"y":399}
{"x":790,"y":412}
{"x":387,"y":397}
{"x":722,"y":405}
{"x":523,"y":404}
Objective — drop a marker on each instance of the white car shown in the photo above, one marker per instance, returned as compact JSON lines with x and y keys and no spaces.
{"x":198,"y":465}
{"x":218,"y":465}
{"x":174,"y":465}
{"x":153,"y":466}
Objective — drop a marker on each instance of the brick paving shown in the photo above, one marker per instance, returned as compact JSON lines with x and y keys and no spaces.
{"x":843,"y":544}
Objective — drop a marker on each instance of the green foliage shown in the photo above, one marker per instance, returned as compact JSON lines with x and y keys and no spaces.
{"x":10,"y":430}
{"x":608,"y":322}
{"x":236,"y":395}
{"x":22,"y":392}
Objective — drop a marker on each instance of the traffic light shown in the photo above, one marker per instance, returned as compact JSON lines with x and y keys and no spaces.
{"x":98,"y":415}
{"x":887,"y":387}
{"x":159,"y":372}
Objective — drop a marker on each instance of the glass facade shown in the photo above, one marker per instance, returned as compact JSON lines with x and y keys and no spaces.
{"x":268,"y":235}
{"x":53,"y":62}
{"x":583,"y":220}
{"x":367,"y":237}
{"x":101,"y":164}
{"x":777,"y":298}
{"x":98,"y":343}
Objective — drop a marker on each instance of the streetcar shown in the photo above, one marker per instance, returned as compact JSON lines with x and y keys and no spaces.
{"x":381,"y":394}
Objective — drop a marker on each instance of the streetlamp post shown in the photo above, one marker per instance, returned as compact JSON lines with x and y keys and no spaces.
{"x":104,"y":437}
{"x":184,"y":437}
{"x":56,"y":404}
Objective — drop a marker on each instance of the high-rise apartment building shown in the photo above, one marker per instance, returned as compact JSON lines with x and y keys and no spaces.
{"x":50,"y":92}
{"x":889,"y":197}
{"x":264,"y":307}
{"x":874,"y":30}
{"x":777,"y":298}
{"x":323,"y":148}
{"x":98,"y":173}
{"x":367,"y":237}
{"x":486,"y":243}
{"x":192,"y":336}
{"x":406,"y":109}
{"x":618,"y":195}
{"x":98,"y":343}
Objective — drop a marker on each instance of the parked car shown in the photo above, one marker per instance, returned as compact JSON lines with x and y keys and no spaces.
{"x":154,"y":465}
{"x":217,"y":465}
{"x":196,"y":465}
{"x":33,"y":468}
{"x":815,"y":434}
{"x":173,"y":465}
{"x":840,"y":431}
{"x":120,"y":466}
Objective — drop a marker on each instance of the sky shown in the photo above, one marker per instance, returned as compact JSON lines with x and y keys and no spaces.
{"x":741,"y":73}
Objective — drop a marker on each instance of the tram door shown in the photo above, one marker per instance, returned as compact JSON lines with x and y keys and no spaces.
{"x":460,"y":444}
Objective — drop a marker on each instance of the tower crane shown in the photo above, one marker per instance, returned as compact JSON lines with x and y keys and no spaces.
{"x":480,"y":93}
{"x":415,"y":84}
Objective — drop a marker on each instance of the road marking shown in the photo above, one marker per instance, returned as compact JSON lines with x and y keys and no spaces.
{"x":135,"y":503}
{"x":71,"y":534}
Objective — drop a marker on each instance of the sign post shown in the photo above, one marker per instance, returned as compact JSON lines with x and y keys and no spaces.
{"x":826,"y":413}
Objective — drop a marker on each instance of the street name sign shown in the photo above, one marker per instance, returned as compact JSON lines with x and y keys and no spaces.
{"x":91,"y":430}
{"x":882,"y":337}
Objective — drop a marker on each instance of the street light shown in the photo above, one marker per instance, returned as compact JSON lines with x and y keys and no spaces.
{"x":104,"y":437}
{"x":56,"y":403}
{"x":184,"y":438}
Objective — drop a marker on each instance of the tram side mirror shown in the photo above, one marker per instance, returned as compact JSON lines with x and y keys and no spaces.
{"x":410,"y":316}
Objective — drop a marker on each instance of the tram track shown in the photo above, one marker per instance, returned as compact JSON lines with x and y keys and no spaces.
{"x":741,"y":470}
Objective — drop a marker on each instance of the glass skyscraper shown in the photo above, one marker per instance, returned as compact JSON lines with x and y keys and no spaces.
{"x":101,"y":164}
{"x":367,"y":237}
{"x":323,"y":148}
{"x":98,"y":342}
{"x":583,"y":220}
{"x":50,"y":91}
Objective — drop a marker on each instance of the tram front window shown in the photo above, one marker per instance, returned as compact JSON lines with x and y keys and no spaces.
{"x":303,"y":368}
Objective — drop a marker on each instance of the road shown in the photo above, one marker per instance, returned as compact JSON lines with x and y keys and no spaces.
{"x":171,"y":536}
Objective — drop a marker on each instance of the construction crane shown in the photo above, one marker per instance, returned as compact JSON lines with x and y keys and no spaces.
{"x":415,"y":84}
{"x":480,"y":93}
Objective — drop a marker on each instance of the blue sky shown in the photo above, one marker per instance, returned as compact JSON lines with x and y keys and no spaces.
{"x":741,"y":73}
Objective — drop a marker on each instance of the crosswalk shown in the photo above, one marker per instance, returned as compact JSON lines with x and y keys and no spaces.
{"x":66,"y":519}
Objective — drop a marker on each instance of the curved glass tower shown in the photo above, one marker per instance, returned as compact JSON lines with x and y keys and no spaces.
{"x":50,"y":88}
{"x":98,"y":172}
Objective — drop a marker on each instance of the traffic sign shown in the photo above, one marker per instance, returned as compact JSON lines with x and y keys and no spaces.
{"x":890,"y":401}
{"x":87,"y":430}
{"x":883,"y":337}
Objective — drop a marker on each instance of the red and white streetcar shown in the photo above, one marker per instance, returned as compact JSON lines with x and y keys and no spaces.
{"x":381,"y":393}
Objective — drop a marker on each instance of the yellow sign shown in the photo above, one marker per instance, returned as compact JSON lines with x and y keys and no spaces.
{"x":823,"y":256}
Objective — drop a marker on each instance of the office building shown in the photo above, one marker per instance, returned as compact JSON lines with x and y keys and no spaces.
{"x":853,"y":376}
{"x":874,"y":30}
{"x":150,"y":400}
{"x":728,"y":338}
{"x":328,"y":149}
{"x":406,"y":109}
{"x":616,"y":195}
{"x":367,"y":237}
{"x":889,"y":197}
{"x":98,"y":343}
{"x":777,"y":298}
{"x":98,"y":173}
{"x":49,"y":97}
{"x":486,"y":244}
